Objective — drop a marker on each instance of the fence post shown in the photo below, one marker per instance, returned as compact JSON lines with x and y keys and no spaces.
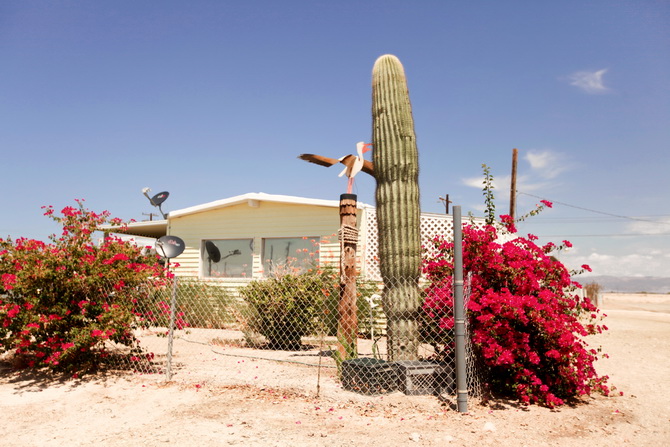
{"x":459,"y":315}
{"x":173,"y":306}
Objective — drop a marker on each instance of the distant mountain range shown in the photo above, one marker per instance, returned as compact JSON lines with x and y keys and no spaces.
{"x":628,"y":284}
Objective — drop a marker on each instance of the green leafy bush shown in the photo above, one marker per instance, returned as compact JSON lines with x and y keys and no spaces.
{"x":286,"y":308}
{"x":289,"y":306}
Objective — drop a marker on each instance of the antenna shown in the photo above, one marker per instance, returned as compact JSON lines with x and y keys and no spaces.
{"x":156,"y":200}
{"x":151,"y":215}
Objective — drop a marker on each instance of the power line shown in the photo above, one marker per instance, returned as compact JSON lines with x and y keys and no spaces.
{"x":574,"y":220}
{"x":597,"y":218}
{"x":594,"y":211}
{"x":604,"y":235}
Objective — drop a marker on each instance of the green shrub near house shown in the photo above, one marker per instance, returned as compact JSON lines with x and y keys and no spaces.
{"x":285,"y":308}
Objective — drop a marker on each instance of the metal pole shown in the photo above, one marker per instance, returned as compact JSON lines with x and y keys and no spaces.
{"x":459,"y":315}
{"x":173,"y":306}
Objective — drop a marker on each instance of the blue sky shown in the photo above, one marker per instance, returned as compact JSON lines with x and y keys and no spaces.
{"x":211,"y":99}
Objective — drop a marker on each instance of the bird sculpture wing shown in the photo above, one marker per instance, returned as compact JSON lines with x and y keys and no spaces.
{"x":319,"y":159}
{"x":327,"y":161}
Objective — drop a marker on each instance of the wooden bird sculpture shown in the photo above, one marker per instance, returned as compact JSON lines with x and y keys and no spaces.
{"x":353,"y":163}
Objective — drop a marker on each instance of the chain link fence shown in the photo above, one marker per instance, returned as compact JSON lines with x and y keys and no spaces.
{"x":293,"y":321}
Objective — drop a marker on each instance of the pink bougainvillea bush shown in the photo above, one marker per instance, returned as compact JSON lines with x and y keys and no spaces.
{"x":61,"y":301}
{"x":526,"y":325}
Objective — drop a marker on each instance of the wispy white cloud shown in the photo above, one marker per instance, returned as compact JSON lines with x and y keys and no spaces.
{"x":545,"y":167}
{"x":619,"y":264}
{"x":589,"y":81}
{"x":546,"y":164}
{"x":656,"y":226}
{"x":478,"y":182}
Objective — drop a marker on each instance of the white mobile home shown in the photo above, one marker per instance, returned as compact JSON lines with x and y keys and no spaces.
{"x":246,"y":237}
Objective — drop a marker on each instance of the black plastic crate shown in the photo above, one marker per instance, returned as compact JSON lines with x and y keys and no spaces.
{"x":369,"y":376}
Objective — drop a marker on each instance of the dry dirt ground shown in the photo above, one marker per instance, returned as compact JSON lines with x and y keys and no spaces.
{"x":262,"y":403}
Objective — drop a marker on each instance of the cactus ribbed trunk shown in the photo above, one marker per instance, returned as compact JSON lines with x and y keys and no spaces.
{"x":396,"y":165}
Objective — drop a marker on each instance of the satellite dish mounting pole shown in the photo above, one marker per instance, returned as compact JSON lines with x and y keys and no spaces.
{"x":162,"y":213}
{"x":173,"y":310}
{"x":170,"y":247}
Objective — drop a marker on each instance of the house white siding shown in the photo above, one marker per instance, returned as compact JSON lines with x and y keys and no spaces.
{"x":256,"y":220}
{"x":260,"y":216}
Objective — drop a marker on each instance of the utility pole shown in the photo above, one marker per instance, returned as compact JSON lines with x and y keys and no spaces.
{"x":512,"y":193}
{"x":446,"y":201}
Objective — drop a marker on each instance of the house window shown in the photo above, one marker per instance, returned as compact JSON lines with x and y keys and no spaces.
{"x":290,"y":254}
{"x":227,"y":258}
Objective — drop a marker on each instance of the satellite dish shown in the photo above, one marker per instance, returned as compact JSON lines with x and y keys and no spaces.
{"x":213,"y":251}
{"x":159,"y":198}
{"x":170,"y":246}
{"x":156,"y":200}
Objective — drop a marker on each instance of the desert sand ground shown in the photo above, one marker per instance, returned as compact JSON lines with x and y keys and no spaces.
{"x":253,"y":402}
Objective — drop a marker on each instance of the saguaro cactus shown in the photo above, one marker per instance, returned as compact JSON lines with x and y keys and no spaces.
{"x":396,"y":165}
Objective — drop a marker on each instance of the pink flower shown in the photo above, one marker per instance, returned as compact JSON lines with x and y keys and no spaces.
{"x":8,"y":281}
{"x":547,"y":203}
{"x":586,"y":267}
{"x":508,"y":222}
{"x":14,"y":311}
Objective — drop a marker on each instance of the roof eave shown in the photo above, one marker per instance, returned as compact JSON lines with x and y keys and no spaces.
{"x":152,"y":228}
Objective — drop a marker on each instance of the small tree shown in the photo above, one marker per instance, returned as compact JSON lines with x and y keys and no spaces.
{"x":593,"y":290}
{"x":61,"y":301}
